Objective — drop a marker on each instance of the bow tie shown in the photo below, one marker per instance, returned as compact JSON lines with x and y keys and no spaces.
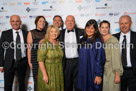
{"x":70,"y":30}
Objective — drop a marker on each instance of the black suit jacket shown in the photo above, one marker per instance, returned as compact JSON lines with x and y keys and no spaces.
{"x":79,"y":33}
{"x":7,"y":54}
{"x":132,"y":48}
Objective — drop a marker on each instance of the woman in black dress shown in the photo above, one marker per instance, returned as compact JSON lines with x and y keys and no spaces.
{"x":33,"y":40}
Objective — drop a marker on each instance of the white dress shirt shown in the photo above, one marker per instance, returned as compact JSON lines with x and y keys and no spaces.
{"x":128,"y":47}
{"x":23,"y":51}
{"x":60,"y":28}
{"x":71,"y":44}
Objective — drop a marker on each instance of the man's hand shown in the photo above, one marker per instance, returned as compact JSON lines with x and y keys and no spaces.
{"x":2,"y":69}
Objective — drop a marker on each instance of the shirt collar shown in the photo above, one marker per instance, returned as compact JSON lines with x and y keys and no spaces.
{"x":127,"y":35}
{"x":14,"y":31}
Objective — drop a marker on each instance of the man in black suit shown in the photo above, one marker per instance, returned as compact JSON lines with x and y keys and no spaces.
{"x":13,"y":60}
{"x":57,"y":20}
{"x":70,"y":37}
{"x":128,"y":51}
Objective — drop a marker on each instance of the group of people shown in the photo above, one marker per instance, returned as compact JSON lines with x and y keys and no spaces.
{"x":70,"y":59}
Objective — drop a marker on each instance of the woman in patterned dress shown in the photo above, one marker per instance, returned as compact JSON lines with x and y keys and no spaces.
{"x":50,"y":54}
{"x":33,"y":40}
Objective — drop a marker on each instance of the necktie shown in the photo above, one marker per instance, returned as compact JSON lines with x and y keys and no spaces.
{"x":18,"y":47}
{"x":124,"y":52}
{"x":70,"y":31}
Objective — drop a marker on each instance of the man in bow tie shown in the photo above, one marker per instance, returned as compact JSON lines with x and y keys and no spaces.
{"x":70,"y":38}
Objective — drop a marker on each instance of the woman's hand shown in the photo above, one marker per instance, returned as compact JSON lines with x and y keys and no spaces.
{"x":30,"y":65}
{"x":45,"y":78}
{"x":44,"y":73}
{"x":117,"y":78}
{"x":98,"y":80}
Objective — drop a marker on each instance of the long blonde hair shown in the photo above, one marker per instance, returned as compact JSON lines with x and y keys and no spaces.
{"x":48,"y":31}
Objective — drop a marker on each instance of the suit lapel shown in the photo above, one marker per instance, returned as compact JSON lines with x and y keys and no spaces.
{"x":24,"y":35}
{"x":118,"y":36}
{"x":63,"y":35}
{"x":62,"y":38}
{"x":131,"y":37}
{"x":10,"y":36}
{"x":131,"y":42}
{"x":77,"y":35}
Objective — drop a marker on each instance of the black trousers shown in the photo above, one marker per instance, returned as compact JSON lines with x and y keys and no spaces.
{"x":70,"y":74}
{"x":18,"y":69}
{"x":128,"y":80}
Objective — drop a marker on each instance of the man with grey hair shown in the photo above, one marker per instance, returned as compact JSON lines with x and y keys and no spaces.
{"x":13,"y":60}
{"x":70,"y":36}
{"x":128,"y":53}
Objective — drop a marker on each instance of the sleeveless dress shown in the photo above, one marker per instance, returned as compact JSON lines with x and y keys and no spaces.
{"x":37,"y":35}
{"x":52,"y":58}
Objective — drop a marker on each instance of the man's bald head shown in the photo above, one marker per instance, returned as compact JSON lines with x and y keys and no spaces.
{"x":70,"y":22}
{"x":15,"y":22}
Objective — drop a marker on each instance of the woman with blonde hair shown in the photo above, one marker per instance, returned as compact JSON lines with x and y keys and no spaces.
{"x":50,"y":54}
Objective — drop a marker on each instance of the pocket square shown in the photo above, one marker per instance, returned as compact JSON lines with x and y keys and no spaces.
{"x":81,"y":37}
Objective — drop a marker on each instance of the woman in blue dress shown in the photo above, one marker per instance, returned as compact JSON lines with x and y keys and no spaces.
{"x":91,"y":59}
